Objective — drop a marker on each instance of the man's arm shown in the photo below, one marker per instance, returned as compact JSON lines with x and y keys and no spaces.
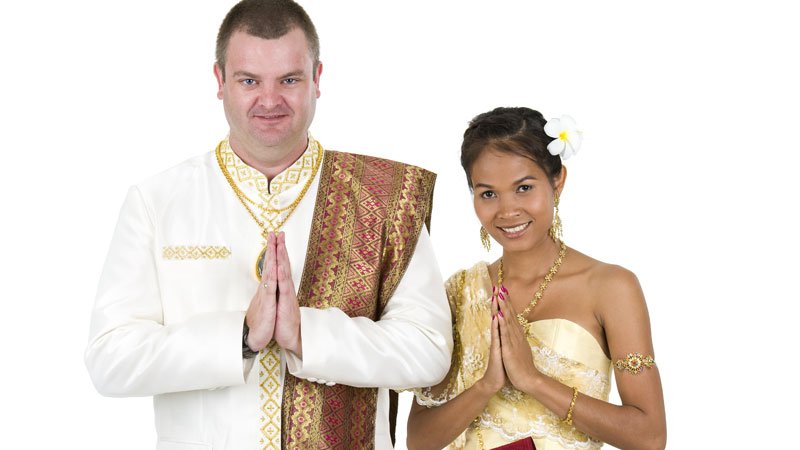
{"x":131,"y":352}
{"x":410,"y":346}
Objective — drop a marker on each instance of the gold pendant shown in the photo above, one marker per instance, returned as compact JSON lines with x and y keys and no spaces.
{"x":259,"y":269}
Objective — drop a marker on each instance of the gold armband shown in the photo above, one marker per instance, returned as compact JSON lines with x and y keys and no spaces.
{"x":635,"y":363}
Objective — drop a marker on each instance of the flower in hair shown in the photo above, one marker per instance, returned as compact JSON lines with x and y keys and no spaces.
{"x":567,"y":136}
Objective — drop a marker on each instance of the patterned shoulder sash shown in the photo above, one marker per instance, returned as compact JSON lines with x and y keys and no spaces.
{"x":368,"y":215}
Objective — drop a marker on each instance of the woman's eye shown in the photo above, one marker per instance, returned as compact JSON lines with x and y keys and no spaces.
{"x":525,"y":188}
{"x":487,"y":194}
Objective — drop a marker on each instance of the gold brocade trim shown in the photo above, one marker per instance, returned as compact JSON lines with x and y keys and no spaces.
{"x":184,"y":252}
{"x":337,"y":201}
{"x":271,"y":195}
{"x":412,"y":204}
{"x":269,"y":376}
{"x":324,"y":280}
{"x":268,"y":191}
{"x":366,"y":222}
{"x":275,"y":203}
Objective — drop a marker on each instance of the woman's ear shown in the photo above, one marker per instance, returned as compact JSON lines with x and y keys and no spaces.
{"x":558,"y":186}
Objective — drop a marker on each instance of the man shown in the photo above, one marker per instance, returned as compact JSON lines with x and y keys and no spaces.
{"x":197,"y":303}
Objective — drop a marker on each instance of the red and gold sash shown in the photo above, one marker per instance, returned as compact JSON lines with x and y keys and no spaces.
{"x":368,"y":215}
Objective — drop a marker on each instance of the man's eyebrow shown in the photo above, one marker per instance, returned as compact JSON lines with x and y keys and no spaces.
{"x":294,"y":73}
{"x":244,"y":73}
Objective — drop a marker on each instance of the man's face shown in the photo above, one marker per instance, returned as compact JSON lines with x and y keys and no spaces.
{"x":269,"y":92}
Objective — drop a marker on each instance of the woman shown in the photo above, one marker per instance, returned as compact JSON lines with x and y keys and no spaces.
{"x":538,"y":331}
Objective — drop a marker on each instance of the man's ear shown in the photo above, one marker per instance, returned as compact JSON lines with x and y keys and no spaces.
{"x":220,"y":80}
{"x":317,"y":74}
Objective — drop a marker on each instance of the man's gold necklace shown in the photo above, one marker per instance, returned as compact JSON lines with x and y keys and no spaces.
{"x":521,"y":317}
{"x":264,"y":208}
{"x":243,"y":199}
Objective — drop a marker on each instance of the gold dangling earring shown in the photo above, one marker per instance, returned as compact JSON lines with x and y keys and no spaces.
{"x":556,"y":230}
{"x":487,"y":244}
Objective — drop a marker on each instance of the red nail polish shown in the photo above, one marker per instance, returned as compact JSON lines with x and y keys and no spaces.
{"x":502,"y":297}
{"x":500,"y":313}
{"x":503,"y":289}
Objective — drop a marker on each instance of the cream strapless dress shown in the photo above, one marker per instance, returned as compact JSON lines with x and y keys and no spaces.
{"x":561,"y":349}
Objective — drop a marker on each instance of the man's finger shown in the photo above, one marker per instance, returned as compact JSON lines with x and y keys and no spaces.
{"x":285,"y":282}
{"x":269,"y":275}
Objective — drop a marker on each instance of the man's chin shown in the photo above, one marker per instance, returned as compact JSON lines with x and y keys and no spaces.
{"x":281,"y":139}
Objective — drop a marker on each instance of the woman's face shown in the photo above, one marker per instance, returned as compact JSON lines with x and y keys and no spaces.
{"x":513,"y":199}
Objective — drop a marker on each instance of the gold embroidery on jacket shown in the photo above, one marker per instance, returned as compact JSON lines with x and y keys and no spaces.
{"x":183,"y":252}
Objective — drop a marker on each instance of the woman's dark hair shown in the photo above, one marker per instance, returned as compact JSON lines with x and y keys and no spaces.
{"x":514,"y":130}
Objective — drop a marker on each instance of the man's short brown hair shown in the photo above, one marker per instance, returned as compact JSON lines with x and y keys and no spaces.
{"x":267,"y":19}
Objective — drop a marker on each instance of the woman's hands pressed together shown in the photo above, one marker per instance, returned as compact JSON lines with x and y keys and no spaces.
{"x":515,"y":349}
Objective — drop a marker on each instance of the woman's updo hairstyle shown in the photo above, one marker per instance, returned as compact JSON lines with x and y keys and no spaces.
{"x":514,"y":130}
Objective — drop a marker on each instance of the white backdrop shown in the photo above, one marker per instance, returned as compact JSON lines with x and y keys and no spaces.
{"x":686,"y":176}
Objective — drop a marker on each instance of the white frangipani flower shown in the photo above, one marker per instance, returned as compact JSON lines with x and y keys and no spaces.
{"x":568,"y":136}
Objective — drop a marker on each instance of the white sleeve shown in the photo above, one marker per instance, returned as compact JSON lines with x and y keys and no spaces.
{"x":131,"y":352}
{"x":409,"y":346}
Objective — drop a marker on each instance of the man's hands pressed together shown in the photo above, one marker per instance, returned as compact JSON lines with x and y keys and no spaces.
{"x":274,"y":311}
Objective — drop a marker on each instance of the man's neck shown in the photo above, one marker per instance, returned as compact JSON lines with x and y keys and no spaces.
{"x":268,"y":160}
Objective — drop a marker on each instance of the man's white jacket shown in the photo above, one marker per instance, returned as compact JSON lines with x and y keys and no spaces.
{"x":171,"y":302}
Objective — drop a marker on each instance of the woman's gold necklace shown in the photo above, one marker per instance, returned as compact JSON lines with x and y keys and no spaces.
{"x":243,"y":199}
{"x":521,"y":317}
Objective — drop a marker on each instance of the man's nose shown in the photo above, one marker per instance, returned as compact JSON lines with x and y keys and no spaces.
{"x":269,"y":95}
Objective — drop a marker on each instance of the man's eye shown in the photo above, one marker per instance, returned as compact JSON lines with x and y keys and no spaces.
{"x":249,"y":82}
{"x":290,"y":81}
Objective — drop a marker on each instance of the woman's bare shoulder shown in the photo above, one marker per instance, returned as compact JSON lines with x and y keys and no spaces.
{"x":605,"y":281}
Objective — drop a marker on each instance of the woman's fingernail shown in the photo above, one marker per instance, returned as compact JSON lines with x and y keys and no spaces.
{"x":500,"y":313}
{"x":503,"y":289}
{"x":502,"y":297}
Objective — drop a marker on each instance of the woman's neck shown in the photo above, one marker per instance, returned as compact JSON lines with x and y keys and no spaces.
{"x":530,"y":265}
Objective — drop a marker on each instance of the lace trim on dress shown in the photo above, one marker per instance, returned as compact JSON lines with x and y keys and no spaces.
{"x":424,"y":397}
{"x":593,"y":382}
{"x":538,"y":430}
{"x":531,"y":418}
{"x":454,"y":286}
